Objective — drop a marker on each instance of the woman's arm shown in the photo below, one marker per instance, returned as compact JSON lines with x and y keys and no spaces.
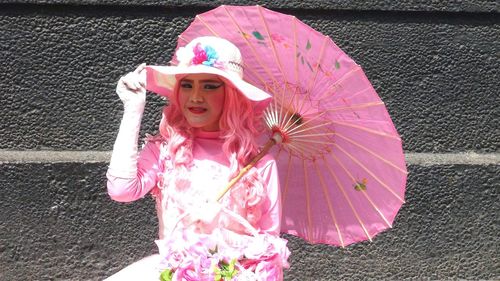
{"x":270,"y":221}
{"x":131,"y":177}
{"x":127,"y":189}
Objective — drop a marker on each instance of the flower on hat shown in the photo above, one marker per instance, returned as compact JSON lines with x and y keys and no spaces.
{"x":184,"y":55}
{"x":200,"y":55}
{"x":206,"y":55}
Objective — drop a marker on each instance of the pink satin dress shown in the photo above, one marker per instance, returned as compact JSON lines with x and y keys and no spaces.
{"x":175,"y":198}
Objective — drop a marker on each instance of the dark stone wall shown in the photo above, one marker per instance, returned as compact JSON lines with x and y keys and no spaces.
{"x":438,"y":75}
{"x":58,"y":223}
{"x":434,"y":63}
{"x":368,"y":5}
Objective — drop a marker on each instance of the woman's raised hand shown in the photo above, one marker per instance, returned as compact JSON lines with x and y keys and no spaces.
{"x":131,"y":88}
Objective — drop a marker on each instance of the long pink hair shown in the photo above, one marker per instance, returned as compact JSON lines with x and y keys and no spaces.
{"x":239,"y":124}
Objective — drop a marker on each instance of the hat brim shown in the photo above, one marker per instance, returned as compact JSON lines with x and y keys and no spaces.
{"x":161,"y":80}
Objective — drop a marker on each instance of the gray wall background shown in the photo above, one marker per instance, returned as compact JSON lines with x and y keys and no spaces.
{"x":434,"y":63}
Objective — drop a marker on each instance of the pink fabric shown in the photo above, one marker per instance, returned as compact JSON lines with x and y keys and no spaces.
{"x":342,"y":167}
{"x":209,"y":175}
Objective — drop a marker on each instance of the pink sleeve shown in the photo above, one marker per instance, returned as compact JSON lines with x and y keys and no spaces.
{"x":130,"y":189}
{"x":271,"y":214}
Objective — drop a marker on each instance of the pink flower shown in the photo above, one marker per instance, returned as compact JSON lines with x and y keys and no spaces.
{"x":199,"y":54}
{"x":246,"y":275}
{"x":265,"y":247}
{"x":197,"y":267}
{"x":195,"y":256}
{"x":188,"y":256}
{"x":172,"y":254}
{"x":282,"y":251}
{"x":190,"y":271}
{"x":268,"y":271}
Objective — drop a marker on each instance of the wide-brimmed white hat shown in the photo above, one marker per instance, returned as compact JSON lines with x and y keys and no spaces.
{"x":207,"y":54}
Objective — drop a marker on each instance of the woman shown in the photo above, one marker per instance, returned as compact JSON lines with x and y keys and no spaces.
{"x":207,"y":134}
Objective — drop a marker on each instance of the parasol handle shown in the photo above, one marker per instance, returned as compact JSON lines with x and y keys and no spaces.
{"x":276,"y":138}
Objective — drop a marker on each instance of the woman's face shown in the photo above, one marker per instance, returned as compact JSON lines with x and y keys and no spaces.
{"x":201,"y":97}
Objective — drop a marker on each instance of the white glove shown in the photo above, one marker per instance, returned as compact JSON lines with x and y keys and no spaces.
{"x":131,"y":89}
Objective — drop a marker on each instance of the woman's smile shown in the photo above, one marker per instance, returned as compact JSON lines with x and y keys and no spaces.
{"x":197,"y":109}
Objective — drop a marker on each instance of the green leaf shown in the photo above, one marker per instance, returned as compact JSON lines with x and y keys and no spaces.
{"x":166,"y":275}
{"x":223,"y":266}
{"x":308,"y":45}
{"x":337,"y":64}
{"x":360,"y":185}
{"x":231,"y":265}
{"x":227,"y":271}
{"x":257,"y":35}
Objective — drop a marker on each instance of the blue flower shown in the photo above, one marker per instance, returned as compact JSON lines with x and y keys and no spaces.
{"x":211,"y":56}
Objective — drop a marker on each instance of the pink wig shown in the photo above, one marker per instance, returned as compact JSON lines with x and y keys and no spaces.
{"x":239,"y":124}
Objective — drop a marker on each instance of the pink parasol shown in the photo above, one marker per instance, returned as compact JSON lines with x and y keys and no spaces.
{"x":341,"y":163}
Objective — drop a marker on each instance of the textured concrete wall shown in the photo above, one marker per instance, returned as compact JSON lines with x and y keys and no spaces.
{"x":434,"y":63}
{"x":58,"y":223}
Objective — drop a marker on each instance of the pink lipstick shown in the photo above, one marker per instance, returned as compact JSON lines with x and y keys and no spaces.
{"x":197,"y":110}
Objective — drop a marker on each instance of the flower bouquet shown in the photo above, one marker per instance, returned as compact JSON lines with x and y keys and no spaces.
{"x":192,"y":256}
